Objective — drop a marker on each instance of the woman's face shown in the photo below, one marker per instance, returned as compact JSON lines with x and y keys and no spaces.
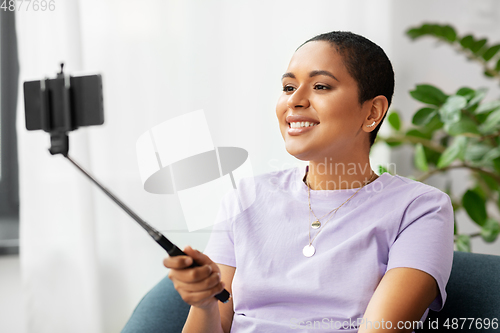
{"x":318,"y":89}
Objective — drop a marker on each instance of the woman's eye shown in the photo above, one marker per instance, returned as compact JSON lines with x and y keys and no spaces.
{"x":288,"y":88}
{"x":321,"y":87}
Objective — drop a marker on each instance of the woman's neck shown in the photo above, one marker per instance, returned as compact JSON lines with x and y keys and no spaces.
{"x":335,"y":175}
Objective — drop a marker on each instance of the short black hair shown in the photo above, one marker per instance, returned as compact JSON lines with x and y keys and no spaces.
{"x":367,"y":63}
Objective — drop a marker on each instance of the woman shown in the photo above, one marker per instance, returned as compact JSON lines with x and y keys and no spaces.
{"x":333,"y":246}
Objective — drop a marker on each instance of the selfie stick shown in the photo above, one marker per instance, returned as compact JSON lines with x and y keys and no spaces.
{"x":60,"y":145}
{"x":171,"y":249}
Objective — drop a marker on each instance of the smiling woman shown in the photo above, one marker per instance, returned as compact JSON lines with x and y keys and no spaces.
{"x":379,"y":263}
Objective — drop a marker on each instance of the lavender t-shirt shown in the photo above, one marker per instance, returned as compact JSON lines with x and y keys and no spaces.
{"x":392,"y":222}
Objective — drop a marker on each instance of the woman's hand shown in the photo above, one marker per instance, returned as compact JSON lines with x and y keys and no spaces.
{"x":197,"y":286}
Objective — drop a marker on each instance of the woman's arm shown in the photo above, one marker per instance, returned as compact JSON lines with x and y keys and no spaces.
{"x":401,"y":297}
{"x":198,"y":286}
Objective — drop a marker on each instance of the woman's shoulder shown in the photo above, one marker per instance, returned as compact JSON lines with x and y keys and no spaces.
{"x":409,"y":189}
{"x":399,"y":181}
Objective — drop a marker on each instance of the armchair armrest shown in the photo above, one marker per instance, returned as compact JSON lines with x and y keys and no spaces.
{"x":160,"y":310}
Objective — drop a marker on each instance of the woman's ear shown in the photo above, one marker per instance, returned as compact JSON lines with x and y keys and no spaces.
{"x":377,"y":108}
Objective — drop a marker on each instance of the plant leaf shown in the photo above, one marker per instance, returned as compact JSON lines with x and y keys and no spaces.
{"x":449,"y":33}
{"x":382,"y":169}
{"x":467,"y":41}
{"x":490,"y":53}
{"x":394,"y":120}
{"x":419,"y":134}
{"x":491,"y":155}
{"x":463,"y":243}
{"x":424,"y":29}
{"x":475,"y":206}
{"x":491,"y":123}
{"x":434,"y":123}
{"x":466,"y":92}
{"x":428,"y":94}
{"x":420,"y":159}
{"x":423,"y":116}
{"x":480,"y":191}
{"x":498,"y":202}
{"x":478,"y":45}
{"x":464,"y":125}
{"x":487,"y":107}
{"x":455,"y":151}
{"x":476,"y":151}
{"x":432,"y":156}
{"x":490,"y":181}
{"x":488,"y":74}
{"x":496,"y":164}
{"x":393,"y":143}
{"x":497,"y":67}
{"x":478,"y":97}
{"x":415,"y":33}
{"x":436,"y":30}
{"x":451,"y":111}
{"x":490,"y":230}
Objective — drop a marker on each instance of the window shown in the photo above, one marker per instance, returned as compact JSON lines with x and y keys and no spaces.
{"x":9,"y":180}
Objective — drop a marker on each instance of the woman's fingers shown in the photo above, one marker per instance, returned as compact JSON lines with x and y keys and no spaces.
{"x":196,"y":285}
{"x":205,"y":284}
{"x":181,"y":262}
{"x":204,"y":297}
{"x":191,"y":275}
{"x":199,"y":257}
{"x":177,"y":262}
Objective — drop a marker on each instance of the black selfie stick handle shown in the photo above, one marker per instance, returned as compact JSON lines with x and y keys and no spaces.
{"x":163,"y":241}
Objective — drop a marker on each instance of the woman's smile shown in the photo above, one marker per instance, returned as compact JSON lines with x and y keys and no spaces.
{"x":299,"y":129}
{"x":299,"y":124}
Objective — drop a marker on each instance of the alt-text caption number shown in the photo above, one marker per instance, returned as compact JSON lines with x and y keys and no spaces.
{"x":28,"y":5}
{"x":471,"y":323}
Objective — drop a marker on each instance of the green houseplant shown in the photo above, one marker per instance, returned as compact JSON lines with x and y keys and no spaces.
{"x":457,"y":130}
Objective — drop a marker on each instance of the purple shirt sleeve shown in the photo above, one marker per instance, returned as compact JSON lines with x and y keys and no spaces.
{"x":425,"y":240}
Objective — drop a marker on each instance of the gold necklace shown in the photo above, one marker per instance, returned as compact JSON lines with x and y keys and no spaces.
{"x":309,"y":249}
{"x":317,"y":224}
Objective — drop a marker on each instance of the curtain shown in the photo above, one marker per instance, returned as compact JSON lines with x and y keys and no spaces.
{"x":9,"y":195}
{"x":85,"y":264}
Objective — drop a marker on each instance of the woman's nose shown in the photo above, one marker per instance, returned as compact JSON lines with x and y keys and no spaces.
{"x":298,"y":99}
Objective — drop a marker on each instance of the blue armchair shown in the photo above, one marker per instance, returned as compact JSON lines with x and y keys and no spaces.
{"x":473,"y":292}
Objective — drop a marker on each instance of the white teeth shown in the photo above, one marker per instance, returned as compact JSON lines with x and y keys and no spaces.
{"x":302,"y":124}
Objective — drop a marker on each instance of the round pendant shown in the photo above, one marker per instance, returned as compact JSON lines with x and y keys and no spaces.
{"x":308,"y":250}
{"x":316,"y":224}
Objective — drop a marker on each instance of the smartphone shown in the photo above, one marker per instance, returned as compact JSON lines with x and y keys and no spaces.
{"x":64,"y":103}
